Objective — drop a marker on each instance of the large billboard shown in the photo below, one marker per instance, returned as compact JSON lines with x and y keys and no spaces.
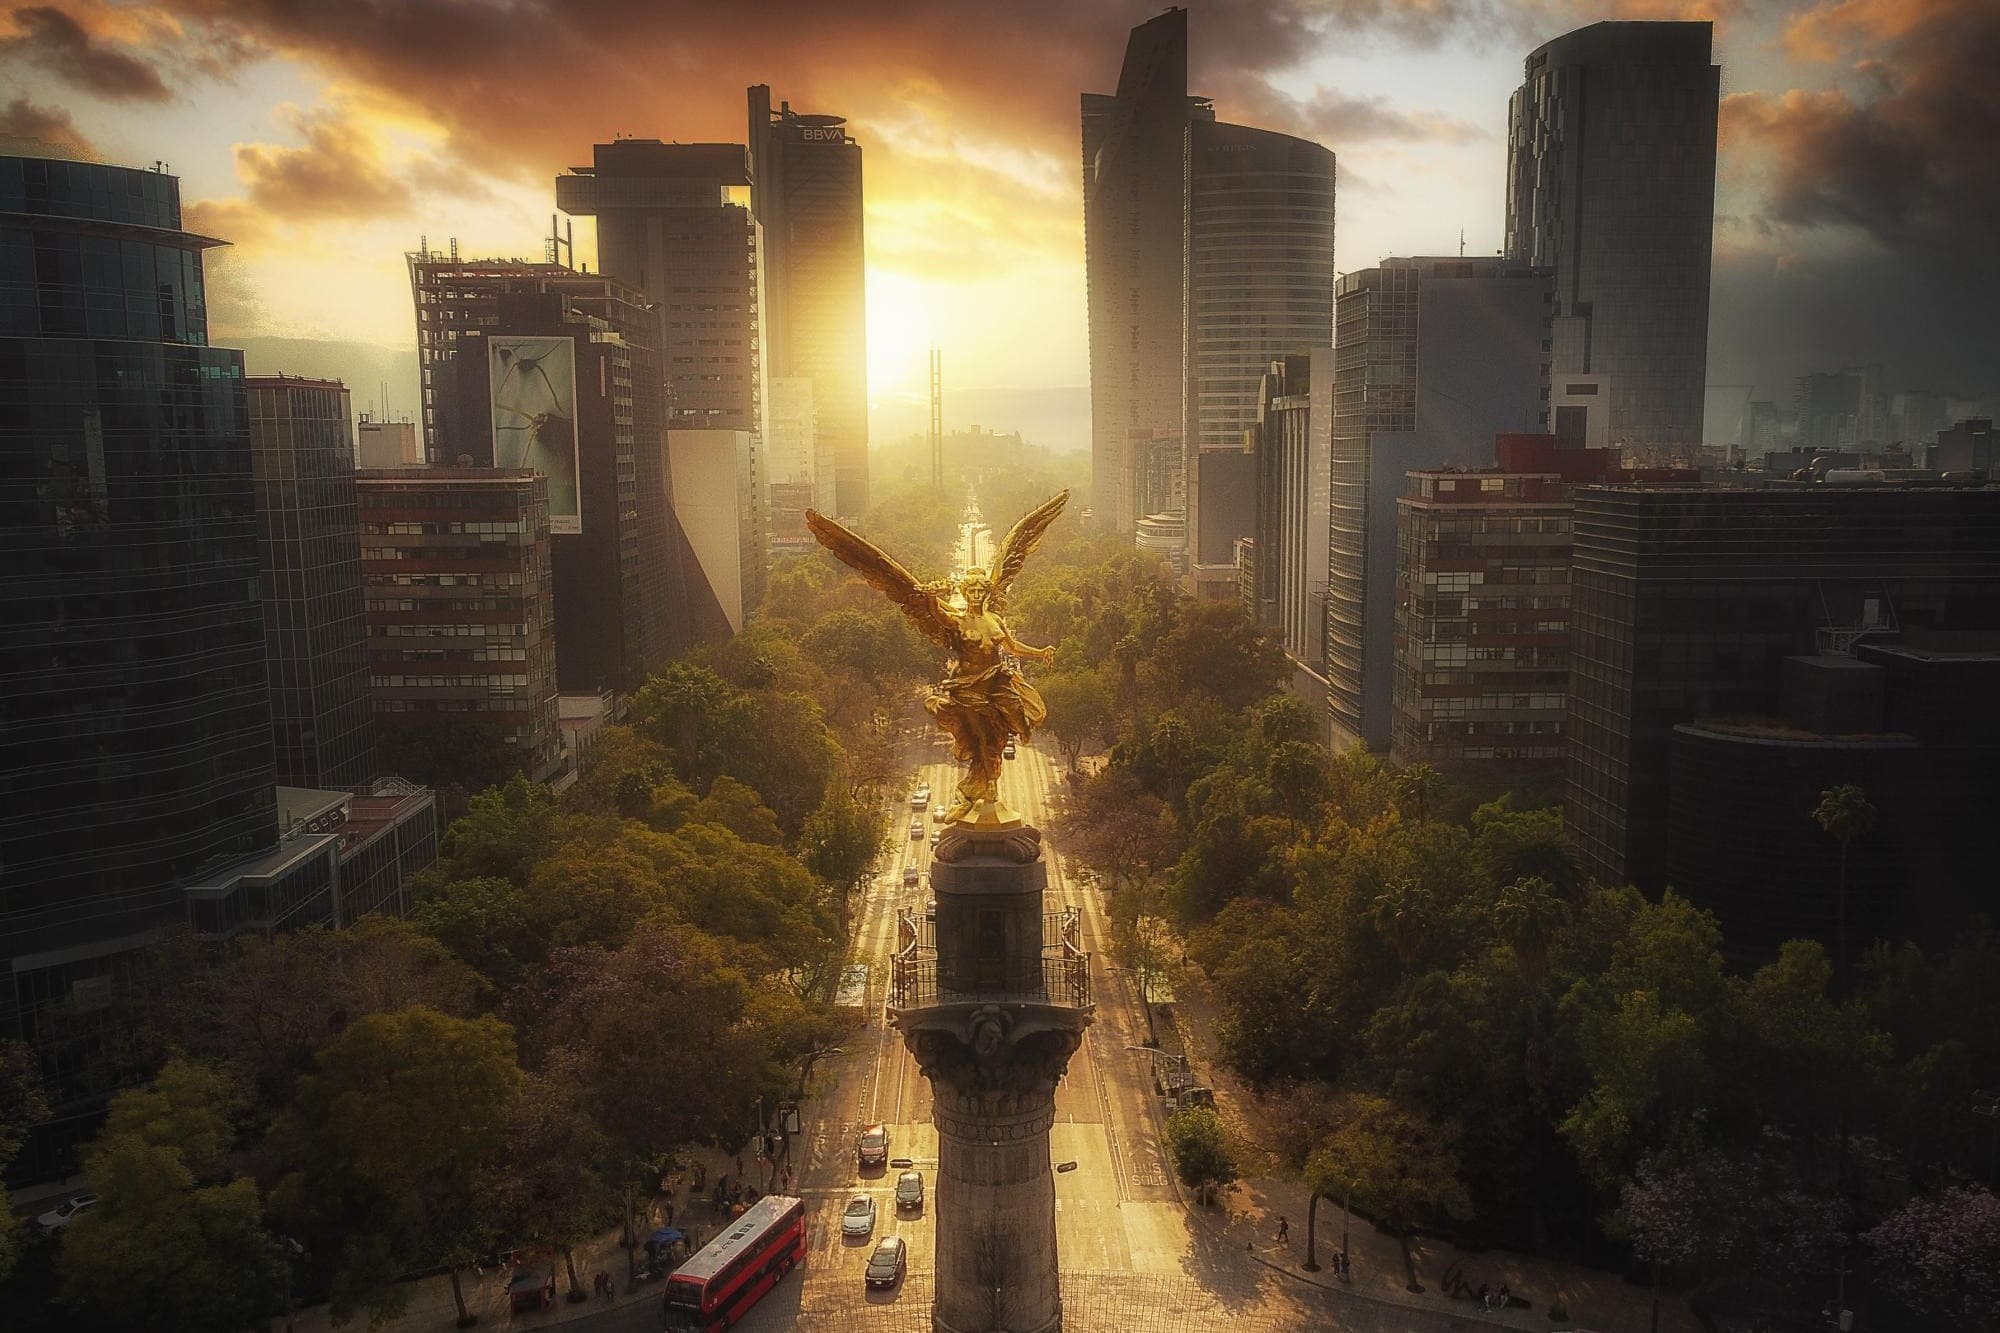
{"x":534,"y":417}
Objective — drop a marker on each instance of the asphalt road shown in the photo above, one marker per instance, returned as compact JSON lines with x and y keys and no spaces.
{"x":1131,"y":1260}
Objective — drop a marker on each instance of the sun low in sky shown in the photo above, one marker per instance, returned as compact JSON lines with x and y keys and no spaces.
{"x":1856,"y":200}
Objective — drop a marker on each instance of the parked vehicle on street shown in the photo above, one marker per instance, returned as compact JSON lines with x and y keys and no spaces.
{"x":727,"y":1276}
{"x":1008,"y":753}
{"x":858,"y":1219}
{"x":910,"y":877}
{"x":938,"y":812}
{"x":531,"y":1289}
{"x":937,"y":836}
{"x":910,"y":1190}
{"x":886,"y":1265}
{"x":871,"y":1146}
{"x":66,"y":1212}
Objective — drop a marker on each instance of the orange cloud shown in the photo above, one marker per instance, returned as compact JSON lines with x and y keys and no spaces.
{"x":30,"y":125}
{"x":1829,"y":32}
{"x":57,"y":42}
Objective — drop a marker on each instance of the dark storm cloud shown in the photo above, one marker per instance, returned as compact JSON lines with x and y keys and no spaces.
{"x":55,"y":41}
{"x":51,"y":125}
{"x":1912,"y":162}
{"x":536,"y":81}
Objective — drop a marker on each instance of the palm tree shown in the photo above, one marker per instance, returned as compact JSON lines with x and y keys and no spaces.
{"x":1401,"y":913}
{"x":1414,"y":784}
{"x":1845,"y":813}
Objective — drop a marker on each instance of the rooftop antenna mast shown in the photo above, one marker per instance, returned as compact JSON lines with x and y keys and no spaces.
{"x":937,"y":419}
{"x":561,"y":245}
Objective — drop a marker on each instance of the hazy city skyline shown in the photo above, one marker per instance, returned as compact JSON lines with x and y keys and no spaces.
{"x":1848,"y":201}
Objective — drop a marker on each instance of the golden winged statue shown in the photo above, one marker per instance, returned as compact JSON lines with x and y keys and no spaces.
{"x":983,"y":699}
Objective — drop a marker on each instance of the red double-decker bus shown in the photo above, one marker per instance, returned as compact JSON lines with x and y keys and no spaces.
{"x":718,"y":1286}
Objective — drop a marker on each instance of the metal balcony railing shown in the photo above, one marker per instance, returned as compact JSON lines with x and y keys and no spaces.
{"x":1063,"y":980}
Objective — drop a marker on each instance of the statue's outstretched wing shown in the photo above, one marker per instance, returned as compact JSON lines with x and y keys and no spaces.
{"x":918,"y":601}
{"x":1022,"y":538}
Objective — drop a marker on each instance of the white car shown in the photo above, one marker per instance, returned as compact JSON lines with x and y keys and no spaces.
{"x":859,"y":1218}
{"x":938,"y":812}
{"x":67,"y":1212}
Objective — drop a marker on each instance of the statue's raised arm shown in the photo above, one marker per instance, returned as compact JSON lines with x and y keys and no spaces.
{"x":921,"y":602}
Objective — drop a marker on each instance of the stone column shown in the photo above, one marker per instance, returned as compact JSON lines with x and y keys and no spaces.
{"x":995,"y":1195}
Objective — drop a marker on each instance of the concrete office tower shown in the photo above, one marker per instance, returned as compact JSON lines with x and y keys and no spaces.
{"x":461,"y":603}
{"x":1133,"y":209}
{"x":309,"y":547}
{"x":539,"y":366}
{"x":1259,"y":284}
{"x":386,"y":443}
{"x":674,"y":222}
{"x":724,"y":540}
{"x":1294,"y":444}
{"x":1432,"y":359}
{"x":1611,"y":184}
{"x":992,"y":1002}
{"x":805,"y":190}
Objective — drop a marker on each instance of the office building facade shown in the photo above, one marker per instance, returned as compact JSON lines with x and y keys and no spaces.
{"x":1294,"y":442}
{"x":1482,"y":618}
{"x":801,"y":474}
{"x":674,"y":222}
{"x":1134,"y":201}
{"x":1433,"y":357}
{"x":308,"y":539}
{"x":805,"y":191}
{"x":1611,"y":186}
{"x":1258,"y":284}
{"x":1685,"y":603}
{"x":457,"y":566}
{"x":539,"y":365}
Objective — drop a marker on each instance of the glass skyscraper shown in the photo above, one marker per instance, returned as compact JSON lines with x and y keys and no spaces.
{"x":805,"y":189}
{"x":135,"y":724}
{"x":302,"y":456}
{"x":1259,"y":285}
{"x":1611,"y":186}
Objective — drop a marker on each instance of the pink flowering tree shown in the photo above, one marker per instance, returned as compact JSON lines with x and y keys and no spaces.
{"x":1940,"y":1254}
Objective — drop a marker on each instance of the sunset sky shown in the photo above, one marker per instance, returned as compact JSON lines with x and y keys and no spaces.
{"x":1857,"y":204}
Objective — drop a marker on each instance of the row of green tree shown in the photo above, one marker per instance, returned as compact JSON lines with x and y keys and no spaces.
{"x":588,"y":986}
{"x":1465,"y":1034}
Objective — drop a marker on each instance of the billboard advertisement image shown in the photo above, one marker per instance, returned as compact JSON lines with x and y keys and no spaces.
{"x":534,"y":417}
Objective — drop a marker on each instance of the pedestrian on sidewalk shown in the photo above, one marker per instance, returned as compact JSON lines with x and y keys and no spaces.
{"x":1284,"y":1230}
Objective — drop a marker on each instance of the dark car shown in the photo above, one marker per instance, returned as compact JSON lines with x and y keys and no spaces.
{"x":871,"y":1146}
{"x":886,"y":1264}
{"x":910,"y":877}
{"x":531,"y":1289}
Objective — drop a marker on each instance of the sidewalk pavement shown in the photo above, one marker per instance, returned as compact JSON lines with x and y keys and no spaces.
{"x":432,"y":1309}
{"x":1246,"y":1217}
